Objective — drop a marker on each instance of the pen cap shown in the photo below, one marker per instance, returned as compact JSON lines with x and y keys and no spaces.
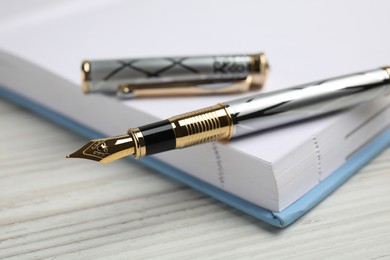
{"x":159,"y":73}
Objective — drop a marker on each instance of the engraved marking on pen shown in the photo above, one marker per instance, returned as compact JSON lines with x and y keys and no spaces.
{"x":220,"y":169}
{"x":156,"y":73}
{"x":99,"y":150}
{"x":131,"y":65}
{"x":367,"y":121}
{"x":115,"y":71}
{"x":225,"y":67}
{"x":184,"y":66}
{"x":318,"y":155}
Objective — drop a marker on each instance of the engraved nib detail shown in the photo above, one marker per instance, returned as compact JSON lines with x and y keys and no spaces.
{"x":106,"y":150}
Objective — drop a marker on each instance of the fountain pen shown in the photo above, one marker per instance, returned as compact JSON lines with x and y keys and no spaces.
{"x":242,"y":116}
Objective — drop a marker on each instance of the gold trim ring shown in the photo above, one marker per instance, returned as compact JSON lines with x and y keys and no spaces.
{"x":259,"y":70}
{"x":202,"y":126}
{"x":85,"y":76}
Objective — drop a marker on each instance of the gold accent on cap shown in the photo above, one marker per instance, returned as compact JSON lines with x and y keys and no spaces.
{"x":130,"y":90}
{"x":139,"y":142}
{"x":85,"y":76}
{"x":202,"y":126}
{"x":387,"y":70}
{"x":259,"y":70}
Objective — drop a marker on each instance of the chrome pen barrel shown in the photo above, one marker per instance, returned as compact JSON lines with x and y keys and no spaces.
{"x":276,"y":108}
{"x":263,"y":111}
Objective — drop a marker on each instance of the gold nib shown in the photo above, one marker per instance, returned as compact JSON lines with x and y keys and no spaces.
{"x":106,"y":150}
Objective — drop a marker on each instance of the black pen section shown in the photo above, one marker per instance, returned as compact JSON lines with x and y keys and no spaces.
{"x":159,"y":137}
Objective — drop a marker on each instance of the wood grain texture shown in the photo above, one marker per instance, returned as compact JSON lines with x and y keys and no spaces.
{"x":52,"y":207}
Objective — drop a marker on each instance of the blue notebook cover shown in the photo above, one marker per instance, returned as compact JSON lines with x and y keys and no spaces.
{"x":278,"y":219}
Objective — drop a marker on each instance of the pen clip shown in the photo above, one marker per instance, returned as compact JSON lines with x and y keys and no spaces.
{"x":127,"y":91}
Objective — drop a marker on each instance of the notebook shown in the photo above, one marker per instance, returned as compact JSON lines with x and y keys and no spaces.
{"x":269,"y":175}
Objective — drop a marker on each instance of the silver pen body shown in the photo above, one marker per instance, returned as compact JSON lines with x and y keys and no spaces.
{"x":243,"y":116}
{"x":259,"y":112}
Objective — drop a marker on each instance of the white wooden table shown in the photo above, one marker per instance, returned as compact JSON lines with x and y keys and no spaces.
{"x":51,"y":207}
